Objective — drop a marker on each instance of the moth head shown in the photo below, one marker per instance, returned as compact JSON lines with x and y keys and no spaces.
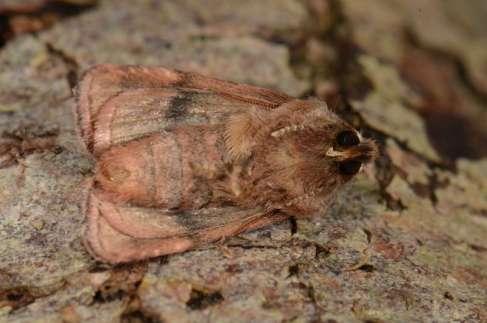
{"x":320,"y":139}
{"x":313,"y":163}
{"x":311,"y":152}
{"x":313,"y":149}
{"x":350,"y":151}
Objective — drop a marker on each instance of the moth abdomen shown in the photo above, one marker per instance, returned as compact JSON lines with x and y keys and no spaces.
{"x":167,"y":170}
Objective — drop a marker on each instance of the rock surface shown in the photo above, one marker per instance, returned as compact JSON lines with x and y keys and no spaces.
{"x":405,"y":241}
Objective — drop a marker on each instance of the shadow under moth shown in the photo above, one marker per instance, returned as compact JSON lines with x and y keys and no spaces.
{"x":183,"y":159}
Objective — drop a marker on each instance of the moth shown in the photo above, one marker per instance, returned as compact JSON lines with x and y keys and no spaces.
{"x":183,"y":159}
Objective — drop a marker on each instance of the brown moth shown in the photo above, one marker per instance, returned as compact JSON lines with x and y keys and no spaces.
{"x":184,"y":159}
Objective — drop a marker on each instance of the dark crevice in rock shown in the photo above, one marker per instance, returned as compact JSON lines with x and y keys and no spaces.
{"x":373,"y":321}
{"x":72,"y":75}
{"x":293,"y":270}
{"x":21,"y":296}
{"x":385,"y":172}
{"x":448,"y":295}
{"x":477,"y":248}
{"x":16,"y":297}
{"x":392,"y":203}
{"x":163,"y":260}
{"x":293,"y":225}
{"x":136,"y":313}
{"x":105,"y":294}
{"x":200,"y":300}
{"x":139,"y":317}
{"x":321,"y":252}
{"x":310,"y":292}
{"x":251,"y":246}
{"x":100,"y":267}
{"x":429,"y":190}
{"x":35,"y":16}
{"x":123,"y":283}
{"x":368,"y":235}
{"x":367,"y":268}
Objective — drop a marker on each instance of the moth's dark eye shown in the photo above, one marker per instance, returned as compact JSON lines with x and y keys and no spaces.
{"x":347,"y":138}
{"x":349,"y":167}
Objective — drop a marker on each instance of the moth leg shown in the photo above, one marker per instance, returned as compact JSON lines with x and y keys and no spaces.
{"x":253,"y":224}
{"x":256,"y":221}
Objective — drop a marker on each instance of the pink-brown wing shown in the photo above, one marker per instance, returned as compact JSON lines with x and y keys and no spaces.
{"x":119,"y":103}
{"x":121,"y":233}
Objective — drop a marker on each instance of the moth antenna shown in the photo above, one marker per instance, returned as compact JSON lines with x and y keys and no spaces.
{"x":288,"y":129}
